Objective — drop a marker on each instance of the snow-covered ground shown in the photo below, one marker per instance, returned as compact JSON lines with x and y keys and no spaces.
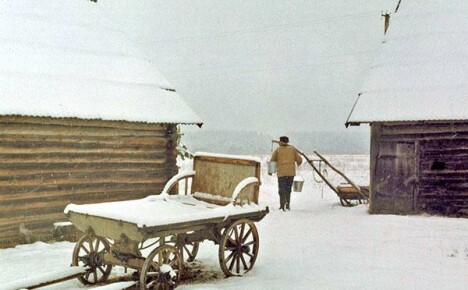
{"x":317,"y":245}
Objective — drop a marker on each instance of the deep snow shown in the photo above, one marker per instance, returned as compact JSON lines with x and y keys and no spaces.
{"x":317,"y":245}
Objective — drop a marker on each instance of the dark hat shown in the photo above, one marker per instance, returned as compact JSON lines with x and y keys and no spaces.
{"x":284,"y":139}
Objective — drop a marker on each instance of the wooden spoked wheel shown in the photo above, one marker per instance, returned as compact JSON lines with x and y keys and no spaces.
{"x":161,"y":269}
{"x":89,"y":252}
{"x":238,"y":248}
{"x":188,"y":251}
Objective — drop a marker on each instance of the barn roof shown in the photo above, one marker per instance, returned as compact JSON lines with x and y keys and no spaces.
{"x":422,"y":71}
{"x":66,"y":59}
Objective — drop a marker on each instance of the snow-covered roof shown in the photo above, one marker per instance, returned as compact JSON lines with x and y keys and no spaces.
{"x":422,"y":71}
{"x":67,"y":59}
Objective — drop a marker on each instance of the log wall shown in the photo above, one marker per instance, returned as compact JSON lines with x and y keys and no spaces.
{"x":419,"y":167}
{"x":47,"y":163}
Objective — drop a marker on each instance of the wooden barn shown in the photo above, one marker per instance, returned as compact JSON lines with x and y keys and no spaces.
{"x":416,"y":102}
{"x":83,"y":117}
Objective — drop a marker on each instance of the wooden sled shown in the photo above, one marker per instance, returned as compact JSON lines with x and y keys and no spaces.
{"x":349,"y":196}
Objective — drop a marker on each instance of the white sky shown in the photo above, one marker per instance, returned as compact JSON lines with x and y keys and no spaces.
{"x":264,"y":65}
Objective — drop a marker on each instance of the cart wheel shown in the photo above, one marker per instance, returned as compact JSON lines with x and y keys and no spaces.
{"x":238,"y":248}
{"x":186,"y":250}
{"x":89,"y":252}
{"x":161,"y":269}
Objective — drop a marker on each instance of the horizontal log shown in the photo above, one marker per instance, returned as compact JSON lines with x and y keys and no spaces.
{"x":444,"y":204}
{"x":455,"y":152}
{"x":445,"y":200}
{"x":89,"y":196}
{"x":447,"y":158}
{"x":66,"y":166}
{"x":75,"y":187}
{"x":24,"y":120}
{"x":445,"y":172}
{"x":46,"y":131}
{"x":424,"y":128}
{"x":411,"y":138}
{"x":444,"y":147}
{"x":83,"y":138}
{"x":20,"y":145}
{"x":442,"y":192}
{"x":54,"y":157}
{"x":108,"y":158}
{"x":436,"y":182}
{"x":79,"y":136}
{"x":49,"y":217}
{"x":59,"y":173}
{"x":82,"y":177}
{"x":448,"y":166}
{"x":19,"y":211}
{"x":50,"y":214}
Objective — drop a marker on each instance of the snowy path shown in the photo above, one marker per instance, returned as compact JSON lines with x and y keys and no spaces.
{"x":318,"y":245}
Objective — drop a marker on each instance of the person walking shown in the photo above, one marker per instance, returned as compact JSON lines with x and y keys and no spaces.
{"x":286,"y":157}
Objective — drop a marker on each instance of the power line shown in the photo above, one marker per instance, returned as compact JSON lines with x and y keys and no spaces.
{"x":326,"y":20}
{"x":231,"y":68}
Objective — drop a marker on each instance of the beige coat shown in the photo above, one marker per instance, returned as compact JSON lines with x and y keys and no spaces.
{"x":286,"y":156}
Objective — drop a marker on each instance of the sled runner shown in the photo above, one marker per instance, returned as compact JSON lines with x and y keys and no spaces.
{"x":219,"y":203}
{"x":350,"y":194}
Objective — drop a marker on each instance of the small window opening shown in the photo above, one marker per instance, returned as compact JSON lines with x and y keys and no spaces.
{"x":438,"y":165}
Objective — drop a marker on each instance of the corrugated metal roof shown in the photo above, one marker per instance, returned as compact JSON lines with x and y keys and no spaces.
{"x":422,"y":71}
{"x":67,"y":59}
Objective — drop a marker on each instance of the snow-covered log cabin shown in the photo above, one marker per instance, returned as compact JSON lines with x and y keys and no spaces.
{"x":83,"y":117}
{"x":416,"y":102}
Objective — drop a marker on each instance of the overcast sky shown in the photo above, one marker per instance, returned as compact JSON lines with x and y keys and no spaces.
{"x":260,"y":65}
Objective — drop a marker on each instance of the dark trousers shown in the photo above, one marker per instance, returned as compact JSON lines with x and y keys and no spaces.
{"x":284,"y":189}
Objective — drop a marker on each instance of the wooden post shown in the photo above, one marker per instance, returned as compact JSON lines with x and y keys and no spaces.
{"x":387,"y":21}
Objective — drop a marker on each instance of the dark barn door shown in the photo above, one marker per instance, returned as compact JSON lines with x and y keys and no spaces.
{"x":395,"y":178}
{"x":444,"y":176}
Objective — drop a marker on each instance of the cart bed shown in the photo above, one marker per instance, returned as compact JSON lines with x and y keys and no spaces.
{"x":142,"y":218}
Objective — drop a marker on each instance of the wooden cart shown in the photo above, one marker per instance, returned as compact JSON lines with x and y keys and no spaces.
{"x":219,"y":203}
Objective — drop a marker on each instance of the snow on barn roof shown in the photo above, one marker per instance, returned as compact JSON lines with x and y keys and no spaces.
{"x":66,"y":59}
{"x":422,"y":72}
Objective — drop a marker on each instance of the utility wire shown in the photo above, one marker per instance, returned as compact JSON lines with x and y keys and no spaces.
{"x":230,"y":68}
{"x":277,"y":68}
{"x":326,"y":20}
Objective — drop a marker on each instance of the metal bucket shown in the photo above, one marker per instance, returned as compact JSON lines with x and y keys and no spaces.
{"x":297,"y":184}
{"x":272,"y":167}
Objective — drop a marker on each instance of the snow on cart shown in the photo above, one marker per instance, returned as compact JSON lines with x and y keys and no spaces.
{"x":218,"y":202}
